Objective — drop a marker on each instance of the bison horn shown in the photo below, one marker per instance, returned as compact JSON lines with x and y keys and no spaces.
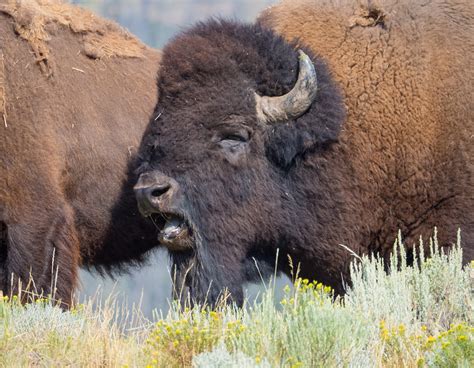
{"x":294,"y":103}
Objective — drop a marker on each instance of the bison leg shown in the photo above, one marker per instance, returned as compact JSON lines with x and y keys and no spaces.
{"x":41,"y":257}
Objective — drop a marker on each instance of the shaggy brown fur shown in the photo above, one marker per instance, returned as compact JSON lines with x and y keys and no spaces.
{"x":406,"y":71}
{"x":66,"y":139}
{"x":404,"y":158}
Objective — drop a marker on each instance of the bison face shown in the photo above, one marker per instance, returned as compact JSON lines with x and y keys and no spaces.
{"x":218,"y":155}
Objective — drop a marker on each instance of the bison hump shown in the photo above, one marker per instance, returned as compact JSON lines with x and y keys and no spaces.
{"x":37,"y":21}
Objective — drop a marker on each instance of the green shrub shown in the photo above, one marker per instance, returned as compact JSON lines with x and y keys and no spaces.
{"x":220,"y":357}
{"x":452,"y":348}
{"x":435,"y":294}
{"x":177,"y":339}
{"x":386,"y":319}
{"x":309,"y":329}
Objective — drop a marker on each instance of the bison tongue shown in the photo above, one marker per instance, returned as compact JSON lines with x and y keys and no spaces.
{"x":172,"y":228}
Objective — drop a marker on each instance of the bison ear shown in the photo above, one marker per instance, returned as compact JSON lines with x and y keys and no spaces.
{"x":289,"y":142}
{"x":314,"y":124}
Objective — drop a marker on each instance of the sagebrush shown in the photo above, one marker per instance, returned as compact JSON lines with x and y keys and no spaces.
{"x":409,"y":317}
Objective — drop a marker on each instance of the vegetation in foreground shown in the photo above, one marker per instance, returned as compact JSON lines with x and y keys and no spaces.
{"x":412,"y":317}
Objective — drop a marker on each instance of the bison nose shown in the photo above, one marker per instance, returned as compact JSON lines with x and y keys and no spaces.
{"x":154,"y":191}
{"x":158,"y":190}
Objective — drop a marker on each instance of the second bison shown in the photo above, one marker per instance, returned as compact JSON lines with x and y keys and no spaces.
{"x":76,"y":93}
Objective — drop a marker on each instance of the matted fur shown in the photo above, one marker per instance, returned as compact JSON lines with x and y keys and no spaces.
{"x":37,"y":20}
{"x":66,"y":196}
{"x":406,"y":71}
{"x":402,"y":158}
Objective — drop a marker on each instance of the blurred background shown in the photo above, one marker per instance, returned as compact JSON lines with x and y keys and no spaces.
{"x":154,"y":22}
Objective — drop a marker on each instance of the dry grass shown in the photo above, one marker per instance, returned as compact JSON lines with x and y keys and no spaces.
{"x":413,"y":317}
{"x":42,"y":335}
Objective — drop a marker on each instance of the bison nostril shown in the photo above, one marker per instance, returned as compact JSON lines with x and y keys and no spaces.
{"x":160,"y":190}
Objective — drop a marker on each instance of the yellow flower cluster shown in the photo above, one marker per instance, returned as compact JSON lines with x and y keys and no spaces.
{"x":457,"y":332}
{"x":397,"y":341}
{"x":306,"y":285}
{"x":394,"y":332}
{"x":175,"y":341}
{"x":42,"y":301}
{"x":294,"y":363}
{"x":306,"y":288}
{"x":454,"y":347}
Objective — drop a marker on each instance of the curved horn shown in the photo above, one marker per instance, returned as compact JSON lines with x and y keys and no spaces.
{"x":294,"y":103}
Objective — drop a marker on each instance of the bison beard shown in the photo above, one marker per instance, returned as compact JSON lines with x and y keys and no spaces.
{"x":233,"y":185}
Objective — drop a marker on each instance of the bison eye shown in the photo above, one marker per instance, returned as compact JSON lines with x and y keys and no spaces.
{"x":234,"y":138}
{"x":234,"y":144}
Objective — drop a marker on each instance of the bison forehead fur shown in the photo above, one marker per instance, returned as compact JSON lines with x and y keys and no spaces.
{"x":209,"y":77}
{"x":402,"y":158}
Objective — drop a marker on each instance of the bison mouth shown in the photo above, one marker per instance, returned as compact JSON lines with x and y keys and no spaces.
{"x":175,"y":233}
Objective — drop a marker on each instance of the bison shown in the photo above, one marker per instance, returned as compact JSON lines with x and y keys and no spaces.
{"x":323,"y":124}
{"x":76,"y":94}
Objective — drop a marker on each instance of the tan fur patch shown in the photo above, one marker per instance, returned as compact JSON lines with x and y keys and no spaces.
{"x":34,"y":21}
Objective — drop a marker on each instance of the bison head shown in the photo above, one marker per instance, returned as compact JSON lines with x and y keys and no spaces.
{"x":223,"y":160}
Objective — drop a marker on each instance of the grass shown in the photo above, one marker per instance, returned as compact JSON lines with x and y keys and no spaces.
{"x":42,"y":335}
{"x":411,"y":317}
